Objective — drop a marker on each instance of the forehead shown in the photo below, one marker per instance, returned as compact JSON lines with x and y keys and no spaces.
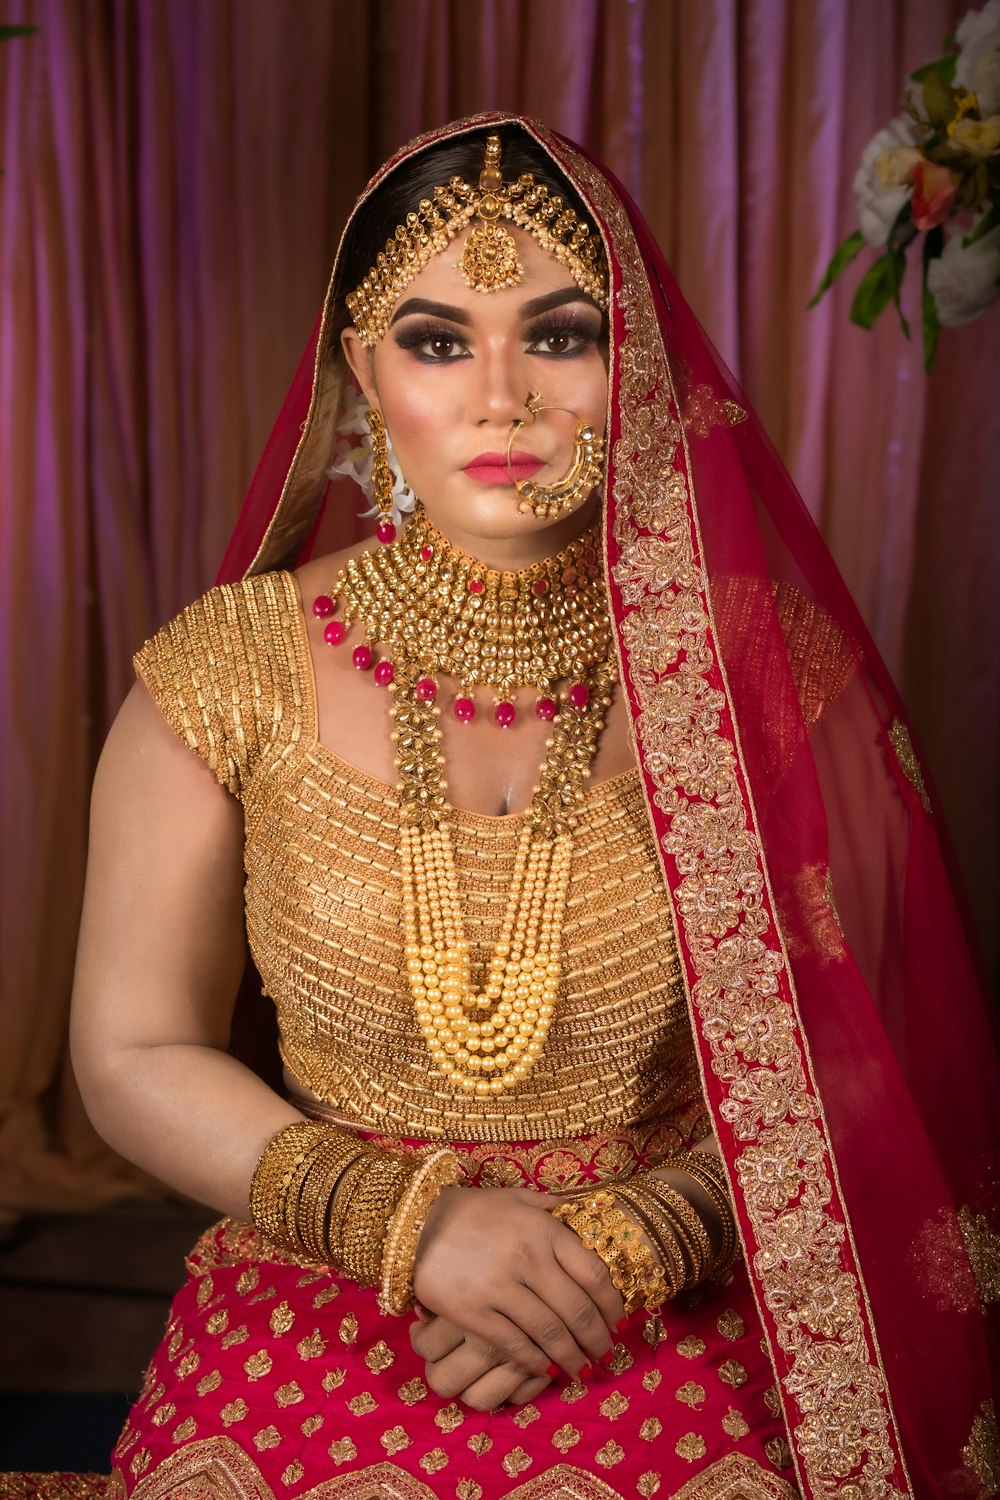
{"x":441,"y":280}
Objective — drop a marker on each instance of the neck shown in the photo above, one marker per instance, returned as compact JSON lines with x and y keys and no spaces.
{"x":522,"y":547}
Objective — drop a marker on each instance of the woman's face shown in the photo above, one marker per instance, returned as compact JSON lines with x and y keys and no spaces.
{"x":453,"y":374}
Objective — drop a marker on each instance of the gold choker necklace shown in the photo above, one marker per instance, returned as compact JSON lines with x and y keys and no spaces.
{"x":420,"y":599}
{"x":439,"y":611}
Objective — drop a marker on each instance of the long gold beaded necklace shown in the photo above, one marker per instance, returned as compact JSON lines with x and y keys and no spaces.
{"x":431,"y":609}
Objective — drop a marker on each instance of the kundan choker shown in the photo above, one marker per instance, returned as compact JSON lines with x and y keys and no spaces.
{"x":435,"y":610}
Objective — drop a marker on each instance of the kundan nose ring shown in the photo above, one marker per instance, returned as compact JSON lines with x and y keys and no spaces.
{"x":549,"y":500}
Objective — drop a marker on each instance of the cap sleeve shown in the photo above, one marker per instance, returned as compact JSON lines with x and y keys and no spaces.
{"x":230,"y":674}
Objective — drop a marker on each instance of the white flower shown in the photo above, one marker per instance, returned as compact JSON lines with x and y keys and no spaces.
{"x":964,"y":281}
{"x":978,"y":65}
{"x":878,"y":204}
{"x":978,"y":137}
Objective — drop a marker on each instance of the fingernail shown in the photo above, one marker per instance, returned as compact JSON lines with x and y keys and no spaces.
{"x":621,"y":1326}
{"x":586,"y":1369}
{"x":553,"y":1371}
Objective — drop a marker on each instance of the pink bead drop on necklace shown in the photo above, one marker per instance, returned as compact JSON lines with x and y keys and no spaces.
{"x":540,"y":587}
{"x":426,"y":689}
{"x":546,"y":708}
{"x":476,"y":585}
{"x":323,"y":606}
{"x":361,"y":656}
{"x":334,"y":632}
{"x":426,"y":552}
{"x":578,"y":695}
{"x":505,"y":713}
{"x":386,"y":532}
{"x":465,"y":710}
{"x":384,"y":673}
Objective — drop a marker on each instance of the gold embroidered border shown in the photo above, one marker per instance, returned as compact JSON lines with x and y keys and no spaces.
{"x":736,"y":1477}
{"x":835,"y":1393}
{"x":215,"y":1468}
{"x":53,"y":1486}
{"x":983,"y":1247}
{"x":982,"y":1452}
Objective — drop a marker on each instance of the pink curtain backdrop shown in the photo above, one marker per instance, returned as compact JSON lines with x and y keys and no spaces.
{"x":175,"y":179}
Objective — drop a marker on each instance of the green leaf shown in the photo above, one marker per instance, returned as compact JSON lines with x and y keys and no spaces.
{"x":902,"y":231}
{"x":930,"y":325}
{"x":939,"y":99}
{"x":944,"y":65}
{"x":897,"y":267}
{"x":988,"y":222}
{"x":874,"y":292}
{"x":842,"y":257}
{"x":6,"y":32}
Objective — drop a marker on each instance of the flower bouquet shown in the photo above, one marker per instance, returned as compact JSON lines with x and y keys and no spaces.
{"x":937,"y":162}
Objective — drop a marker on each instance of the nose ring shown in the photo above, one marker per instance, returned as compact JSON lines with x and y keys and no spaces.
{"x":549,"y":500}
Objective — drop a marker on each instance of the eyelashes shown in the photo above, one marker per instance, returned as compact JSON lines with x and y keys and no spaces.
{"x":578,"y":333}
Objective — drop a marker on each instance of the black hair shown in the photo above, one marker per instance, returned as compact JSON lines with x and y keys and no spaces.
{"x":401,"y":192}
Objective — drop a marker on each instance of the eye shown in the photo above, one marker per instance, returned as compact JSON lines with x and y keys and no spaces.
{"x":433,"y":345}
{"x":562,"y":340}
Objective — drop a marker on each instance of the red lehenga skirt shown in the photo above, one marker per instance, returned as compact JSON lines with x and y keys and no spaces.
{"x":277,"y":1379}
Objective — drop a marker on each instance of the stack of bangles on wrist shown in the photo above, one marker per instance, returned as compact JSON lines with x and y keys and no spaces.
{"x":614,"y":1220}
{"x":327,"y":1197}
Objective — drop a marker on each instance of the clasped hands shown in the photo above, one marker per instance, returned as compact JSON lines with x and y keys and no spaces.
{"x":508,"y":1297}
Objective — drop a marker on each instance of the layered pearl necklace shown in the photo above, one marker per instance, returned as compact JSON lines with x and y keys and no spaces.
{"x":430,"y":609}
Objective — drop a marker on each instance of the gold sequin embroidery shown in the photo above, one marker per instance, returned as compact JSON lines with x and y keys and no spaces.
{"x":982,"y":1452}
{"x":984,"y":1252}
{"x":906,"y":758}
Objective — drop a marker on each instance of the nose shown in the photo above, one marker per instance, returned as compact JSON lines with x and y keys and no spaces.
{"x":499,"y":389}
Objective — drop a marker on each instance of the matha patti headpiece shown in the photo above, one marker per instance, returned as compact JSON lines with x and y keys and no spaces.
{"x":489,"y":259}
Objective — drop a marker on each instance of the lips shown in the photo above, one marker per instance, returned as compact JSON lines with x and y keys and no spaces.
{"x":493,"y":468}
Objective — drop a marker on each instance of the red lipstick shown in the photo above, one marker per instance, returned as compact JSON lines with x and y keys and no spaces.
{"x":493,"y":468}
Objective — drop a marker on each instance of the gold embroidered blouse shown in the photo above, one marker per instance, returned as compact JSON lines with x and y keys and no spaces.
{"x":232,"y":675}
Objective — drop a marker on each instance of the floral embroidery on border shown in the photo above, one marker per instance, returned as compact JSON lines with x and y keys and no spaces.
{"x":836,"y":1394}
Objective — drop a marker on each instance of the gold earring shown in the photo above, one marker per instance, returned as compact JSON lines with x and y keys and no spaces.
{"x":549,"y":500}
{"x":382,"y":479}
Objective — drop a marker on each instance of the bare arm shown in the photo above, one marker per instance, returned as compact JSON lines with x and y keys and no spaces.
{"x":161,"y":954}
{"x":160,"y":958}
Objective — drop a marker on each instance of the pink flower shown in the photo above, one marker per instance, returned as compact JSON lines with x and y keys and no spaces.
{"x":934,"y":192}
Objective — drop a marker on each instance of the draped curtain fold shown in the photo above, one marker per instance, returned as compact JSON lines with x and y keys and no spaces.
{"x":175,"y":179}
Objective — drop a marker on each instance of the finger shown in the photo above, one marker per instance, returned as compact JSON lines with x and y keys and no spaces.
{"x":528,"y":1390}
{"x":469,"y":1363}
{"x":590,"y":1273}
{"x":498,"y":1386}
{"x":435,"y":1339}
{"x":541,"y":1325}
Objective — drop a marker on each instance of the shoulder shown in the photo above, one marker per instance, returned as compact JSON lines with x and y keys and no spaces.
{"x":230,"y":673}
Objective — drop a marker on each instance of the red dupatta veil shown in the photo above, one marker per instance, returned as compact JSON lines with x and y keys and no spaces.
{"x":846,"y":1056}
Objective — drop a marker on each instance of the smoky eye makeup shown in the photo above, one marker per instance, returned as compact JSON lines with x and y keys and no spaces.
{"x":420,"y":336}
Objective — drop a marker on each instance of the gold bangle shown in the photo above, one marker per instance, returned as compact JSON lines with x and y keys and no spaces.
{"x":617,"y":1239}
{"x":660,"y":1232}
{"x":434,"y":1172}
{"x":708,"y":1171}
{"x":370,"y":1212}
{"x":318,"y":1190}
{"x":281,"y":1160}
{"x":687,"y":1221}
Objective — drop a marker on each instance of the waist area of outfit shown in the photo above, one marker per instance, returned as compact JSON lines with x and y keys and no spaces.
{"x":553,"y":1165}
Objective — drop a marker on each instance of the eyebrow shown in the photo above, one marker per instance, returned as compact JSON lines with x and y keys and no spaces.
{"x":453,"y":314}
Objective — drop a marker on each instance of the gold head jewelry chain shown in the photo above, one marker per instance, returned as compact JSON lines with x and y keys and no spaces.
{"x":433,"y":610}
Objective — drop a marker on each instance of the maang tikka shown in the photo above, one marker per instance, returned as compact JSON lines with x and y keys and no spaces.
{"x":549,"y":500}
